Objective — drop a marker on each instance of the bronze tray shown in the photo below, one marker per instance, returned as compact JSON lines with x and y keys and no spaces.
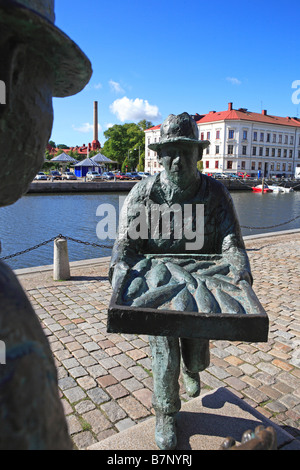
{"x":251,"y":326}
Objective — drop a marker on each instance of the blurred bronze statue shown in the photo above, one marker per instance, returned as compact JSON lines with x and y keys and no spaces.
{"x":38,"y":62}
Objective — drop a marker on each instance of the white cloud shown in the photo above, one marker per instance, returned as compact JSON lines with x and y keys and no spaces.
{"x":134,"y":110}
{"x":233,"y":80}
{"x":115,"y":86}
{"x":86,"y":127}
{"x":110,"y":124}
{"x":97,"y":86}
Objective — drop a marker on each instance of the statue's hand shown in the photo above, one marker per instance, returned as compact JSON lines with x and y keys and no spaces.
{"x":120,"y":271}
{"x":243,"y":276}
{"x":261,"y":439}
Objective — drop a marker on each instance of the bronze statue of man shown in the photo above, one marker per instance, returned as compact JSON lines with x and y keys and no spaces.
{"x":180,"y":183}
{"x":37,"y":61}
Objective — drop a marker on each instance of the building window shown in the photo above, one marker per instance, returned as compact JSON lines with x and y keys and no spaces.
{"x":245,"y":135}
{"x":230,"y":150}
{"x":274,"y":138}
{"x":202,"y":136}
{"x":254,"y":135}
{"x":207,"y":164}
{"x":280,"y":138}
{"x":208,"y":136}
{"x":148,"y":140}
{"x":279,"y":153}
{"x":229,"y":165}
{"x":268,"y":137}
{"x":286,"y":139}
{"x":252,"y":165}
{"x":298,"y":153}
{"x":273,"y":152}
{"x":217,"y":164}
{"x":291,"y":154}
{"x":292,"y":140}
{"x":267,"y":152}
{"x":289,"y":167}
{"x":217,"y":149}
{"x":244,"y":150}
{"x":284,"y":153}
{"x":283,"y":166}
{"x":261,"y":149}
{"x":278,"y":166}
{"x":207,"y":151}
{"x":231,"y":134}
{"x":272,"y":167}
{"x":254,"y":151}
{"x":261,"y":136}
{"x":217,"y":134}
{"x":243,"y":165}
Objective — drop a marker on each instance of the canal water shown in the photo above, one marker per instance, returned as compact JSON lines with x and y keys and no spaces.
{"x":37,"y":218}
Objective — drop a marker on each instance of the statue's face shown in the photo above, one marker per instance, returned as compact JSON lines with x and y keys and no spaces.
{"x":179,"y":161}
{"x":25,"y":120}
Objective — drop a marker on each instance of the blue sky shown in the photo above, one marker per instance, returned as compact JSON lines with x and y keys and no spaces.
{"x":151,"y":59}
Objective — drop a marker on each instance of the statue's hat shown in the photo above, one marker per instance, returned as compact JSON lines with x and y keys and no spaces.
{"x":179,"y":129}
{"x":33,"y":22}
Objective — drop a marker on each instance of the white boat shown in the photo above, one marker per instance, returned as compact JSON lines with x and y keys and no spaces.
{"x":280,"y":189}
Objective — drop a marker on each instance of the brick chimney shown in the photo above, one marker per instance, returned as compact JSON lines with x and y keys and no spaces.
{"x":229,"y":106}
{"x":96,"y":144}
{"x":264,"y":112}
{"x":96,"y":120}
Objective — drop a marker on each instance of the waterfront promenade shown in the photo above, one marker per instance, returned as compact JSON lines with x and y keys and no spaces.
{"x":105,"y":379}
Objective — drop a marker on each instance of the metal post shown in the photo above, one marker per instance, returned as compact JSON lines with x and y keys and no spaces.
{"x":61,"y":266}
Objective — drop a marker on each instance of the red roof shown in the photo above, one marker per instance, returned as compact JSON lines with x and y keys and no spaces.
{"x":245,"y":115}
{"x":241,"y":114}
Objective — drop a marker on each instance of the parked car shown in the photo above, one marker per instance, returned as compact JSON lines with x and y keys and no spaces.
{"x":133,"y":176}
{"x":55,"y":175}
{"x":217,"y":175}
{"x":93,"y":176}
{"x":121,"y":176}
{"x":41,"y":176}
{"x":69,"y":175}
{"x":233,"y":175}
{"x":244,"y":175}
{"x":143,"y":174}
{"x":108,"y":175}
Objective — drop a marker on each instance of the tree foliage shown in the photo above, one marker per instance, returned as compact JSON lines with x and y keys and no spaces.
{"x":126,"y":144}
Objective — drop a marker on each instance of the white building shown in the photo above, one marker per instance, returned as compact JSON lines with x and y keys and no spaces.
{"x":241,"y":142}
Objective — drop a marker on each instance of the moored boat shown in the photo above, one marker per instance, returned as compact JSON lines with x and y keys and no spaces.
{"x":260,"y":188}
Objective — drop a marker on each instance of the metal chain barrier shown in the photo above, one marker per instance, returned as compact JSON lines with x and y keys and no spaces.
{"x":52,"y":240}
{"x":271,"y":226}
{"x":109,"y":247}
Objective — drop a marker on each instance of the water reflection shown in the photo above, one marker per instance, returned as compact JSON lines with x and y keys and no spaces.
{"x":36,"y":218}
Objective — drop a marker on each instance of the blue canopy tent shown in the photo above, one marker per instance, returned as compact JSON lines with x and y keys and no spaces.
{"x":64,"y":160}
{"x":81,"y":168}
{"x":102,"y":160}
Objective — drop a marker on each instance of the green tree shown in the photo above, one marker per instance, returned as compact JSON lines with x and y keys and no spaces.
{"x":127,"y":141}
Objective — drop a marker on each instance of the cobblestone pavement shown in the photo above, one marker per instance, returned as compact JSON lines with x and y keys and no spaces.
{"x":105,"y":379}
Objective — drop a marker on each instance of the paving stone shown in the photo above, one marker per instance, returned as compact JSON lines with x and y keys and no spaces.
{"x":133,"y":408}
{"x":113,"y":411}
{"x":97,"y":395}
{"x":74,"y":394}
{"x":97,"y":420}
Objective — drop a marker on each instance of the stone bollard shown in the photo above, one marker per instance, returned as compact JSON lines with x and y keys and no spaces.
{"x":61,"y":266}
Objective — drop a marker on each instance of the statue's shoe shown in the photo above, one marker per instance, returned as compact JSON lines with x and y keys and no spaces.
{"x":191,"y":381}
{"x":165,"y":431}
